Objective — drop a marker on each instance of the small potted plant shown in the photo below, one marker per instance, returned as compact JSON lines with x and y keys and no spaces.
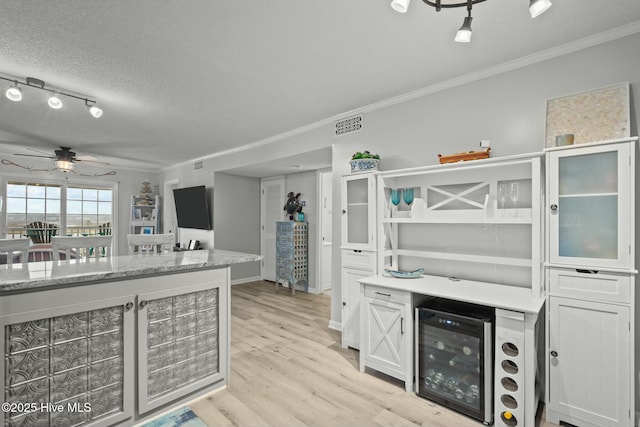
{"x":364,"y":162}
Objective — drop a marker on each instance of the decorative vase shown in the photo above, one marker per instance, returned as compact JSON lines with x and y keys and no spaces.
{"x":364,"y":165}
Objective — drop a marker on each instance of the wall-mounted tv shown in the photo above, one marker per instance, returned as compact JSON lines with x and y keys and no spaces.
{"x":192,"y":209}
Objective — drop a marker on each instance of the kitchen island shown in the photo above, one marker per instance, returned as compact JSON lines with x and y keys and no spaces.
{"x":115,"y":340}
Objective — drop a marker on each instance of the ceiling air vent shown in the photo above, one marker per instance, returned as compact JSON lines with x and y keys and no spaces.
{"x":198,"y":165}
{"x":350,"y":125}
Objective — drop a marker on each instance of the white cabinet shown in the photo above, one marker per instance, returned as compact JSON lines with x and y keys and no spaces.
{"x":351,"y":305}
{"x":162,"y":339}
{"x":387,"y":327}
{"x":590,"y":376}
{"x":590,"y":208}
{"x":75,"y":355}
{"x":358,"y":249}
{"x":358,"y":212}
{"x":178,"y":343}
{"x":590,"y":279}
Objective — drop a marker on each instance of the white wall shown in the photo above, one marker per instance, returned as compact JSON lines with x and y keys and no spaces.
{"x":508,"y":109}
{"x":236,"y":219}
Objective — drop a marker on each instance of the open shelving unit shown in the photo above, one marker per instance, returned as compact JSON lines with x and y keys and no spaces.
{"x":463,"y":228}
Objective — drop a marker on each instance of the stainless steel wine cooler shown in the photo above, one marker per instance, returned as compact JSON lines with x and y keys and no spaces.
{"x":454,"y":356}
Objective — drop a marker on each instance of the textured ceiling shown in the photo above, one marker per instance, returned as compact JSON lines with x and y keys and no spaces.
{"x":181,"y":80}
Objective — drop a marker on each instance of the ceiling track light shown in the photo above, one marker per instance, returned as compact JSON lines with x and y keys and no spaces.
{"x":54,"y":102}
{"x":464,"y":33}
{"x":536,"y":8}
{"x":14,"y":93}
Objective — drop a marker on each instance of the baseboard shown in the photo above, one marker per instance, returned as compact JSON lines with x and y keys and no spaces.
{"x":337,"y":326}
{"x":245,"y":280}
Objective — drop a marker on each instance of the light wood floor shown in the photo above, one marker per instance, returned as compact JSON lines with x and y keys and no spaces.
{"x":289,"y":370}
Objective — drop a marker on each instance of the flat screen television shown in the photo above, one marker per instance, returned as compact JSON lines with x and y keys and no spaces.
{"x":192,"y":210}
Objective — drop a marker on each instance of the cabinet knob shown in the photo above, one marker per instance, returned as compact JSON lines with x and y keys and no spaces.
{"x":343,"y":211}
{"x":128,"y":306}
{"x":143,"y":303}
{"x":553,"y":207}
{"x":554,"y":353}
{"x":344,"y":303}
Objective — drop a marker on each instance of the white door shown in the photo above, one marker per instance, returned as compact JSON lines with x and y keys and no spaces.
{"x":325,"y":230}
{"x":271,"y":205}
{"x":384,"y":329}
{"x":589,"y":361}
{"x":351,"y":306}
{"x":169,"y":221}
{"x":589,"y":206}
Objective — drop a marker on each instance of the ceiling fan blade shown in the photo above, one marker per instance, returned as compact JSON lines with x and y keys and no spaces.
{"x":37,"y":151}
{"x":34,"y":155}
{"x":93,"y":162}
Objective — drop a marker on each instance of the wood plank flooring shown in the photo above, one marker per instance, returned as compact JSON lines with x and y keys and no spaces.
{"x":289,"y":370}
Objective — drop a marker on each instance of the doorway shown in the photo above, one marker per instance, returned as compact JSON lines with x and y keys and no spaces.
{"x":324,"y":230}
{"x":169,"y":221}
{"x":271,"y":205}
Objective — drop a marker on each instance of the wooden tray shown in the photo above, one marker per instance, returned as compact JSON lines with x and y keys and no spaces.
{"x":463,"y":157}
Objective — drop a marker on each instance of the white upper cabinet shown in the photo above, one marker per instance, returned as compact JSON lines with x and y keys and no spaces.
{"x":588,"y":205}
{"x":358,"y":212}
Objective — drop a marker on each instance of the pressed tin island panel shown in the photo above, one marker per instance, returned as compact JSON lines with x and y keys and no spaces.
{"x":182,"y":341}
{"x":72,"y":360}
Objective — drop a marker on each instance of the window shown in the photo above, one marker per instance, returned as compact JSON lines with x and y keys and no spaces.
{"x":28,"y":203}
{"x":72,"y":210}
{"x":89,"y":211}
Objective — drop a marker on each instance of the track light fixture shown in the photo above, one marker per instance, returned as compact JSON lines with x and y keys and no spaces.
{"x":54,"y":102}
{"x":536,"y":8}
{"x":14,"y":93}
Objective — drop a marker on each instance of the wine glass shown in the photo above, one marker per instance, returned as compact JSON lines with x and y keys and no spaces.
{"x":395,"y":198}
{"x":407,"y":196}
{"x":514,"y":191}
{"x":502,"y":196}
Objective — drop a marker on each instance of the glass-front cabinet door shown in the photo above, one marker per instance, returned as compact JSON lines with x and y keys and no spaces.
{"x":588,"y":206}
{"x":358,"y":212}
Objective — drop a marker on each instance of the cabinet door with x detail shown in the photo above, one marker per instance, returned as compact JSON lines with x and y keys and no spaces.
{"x":385,"y":330}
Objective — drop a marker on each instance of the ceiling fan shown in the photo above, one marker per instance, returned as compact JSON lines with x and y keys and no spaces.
{"x":65,"y":160}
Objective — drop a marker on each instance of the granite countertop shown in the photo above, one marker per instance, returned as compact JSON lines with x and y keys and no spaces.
{"x":36,"y":276}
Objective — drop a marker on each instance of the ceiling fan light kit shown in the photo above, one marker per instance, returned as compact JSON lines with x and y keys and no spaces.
{"x":536,"y":8}
{"x":14,"y":93}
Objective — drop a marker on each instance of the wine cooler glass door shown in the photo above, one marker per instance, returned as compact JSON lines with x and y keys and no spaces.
{"x":453,"y":369}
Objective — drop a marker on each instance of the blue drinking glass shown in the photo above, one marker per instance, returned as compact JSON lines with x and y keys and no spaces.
{"x":395,"y":196}
{"x":407,"y":196}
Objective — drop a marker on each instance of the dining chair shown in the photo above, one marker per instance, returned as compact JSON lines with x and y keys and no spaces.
{"x":150,"y":243}
{"x":9,"y":246}
{"x":95,"y":246}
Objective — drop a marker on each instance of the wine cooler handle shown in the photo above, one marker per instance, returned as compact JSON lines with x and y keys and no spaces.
{"x":553,"y":207}
{"x":554,"y":353}
{"x":402,"y":326}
